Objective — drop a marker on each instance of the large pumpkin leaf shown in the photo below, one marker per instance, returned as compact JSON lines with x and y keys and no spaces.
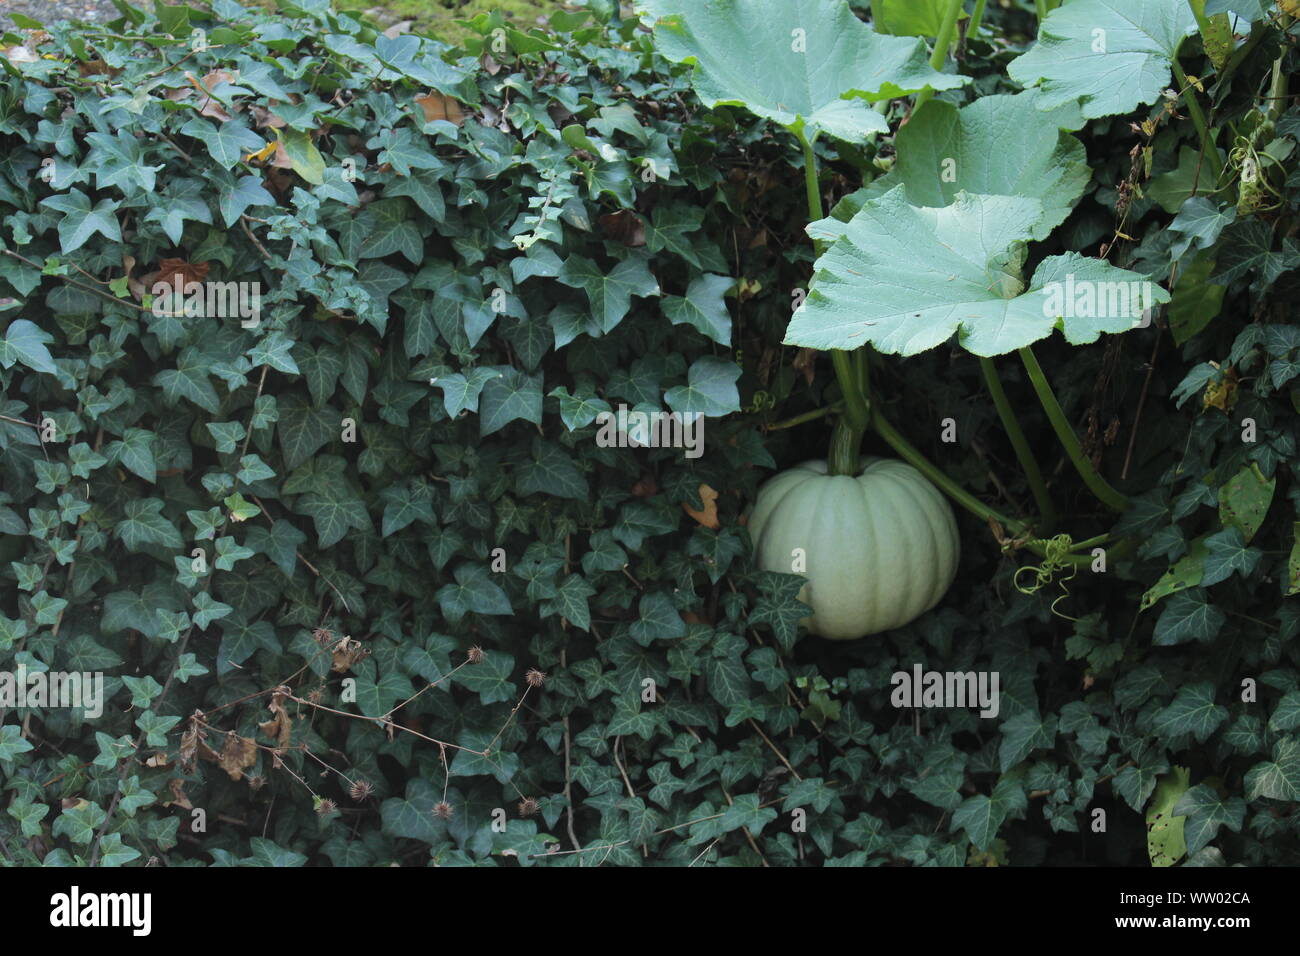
{"x":809,"y":65}
{"x":1111,"y":54}
{"x":997,"y":146}
{"x":905,"y":278}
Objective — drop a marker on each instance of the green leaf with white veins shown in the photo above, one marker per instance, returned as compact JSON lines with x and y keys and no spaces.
{"x":703,"y":307}
{"x":226,"y":142}
{"x":711,"y":389}
{"x":80,"y":221}
{"x":1279,"y":778}
{"x":807,"y":65}
{"x":510,"y":395}
{"x":461,"y":392}
{"x":997,"y":146}
{"x":25,"y":342}
{"x":610,"y":295}
{"x":906,"y":278}
{"x":1112,"y":54}
{"x":1193,"y":711}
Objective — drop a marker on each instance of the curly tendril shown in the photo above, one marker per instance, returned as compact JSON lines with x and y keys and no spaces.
{"x":1055,"y":559}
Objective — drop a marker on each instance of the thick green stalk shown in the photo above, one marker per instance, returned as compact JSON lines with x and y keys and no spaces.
{"x":803,"y":418}
{"x":846,"y":440}
{"x":1208,"y":149}
{"x":1277,"y":90}
{"x":1203,"y":25}
{"x":855,"y":391}
{"x":857,"y":408}
{"x":938,"y":477}
{"x":1096,"y":484}
{"x":1024,"y":454}
{"x":811,"y":182}
{"x":1040,"y":7}
{"x":1011,"y":526}
{"x":976,"y":19}
{"x":947,"y":31}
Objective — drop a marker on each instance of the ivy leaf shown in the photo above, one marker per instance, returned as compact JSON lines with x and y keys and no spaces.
{"x":1279,"y":778}
{"x":1188,"y":617}
{"x":268,"y":853}
{"x":657,"y":619}
{"x":280,"y":543}
{"x":746,"y":811}
{"x":670,"y":228}
{"x":189,"y":379}
{"x":808,"y":67}
{"x":80,"y":221}
{"x":412,"y":816}
{"x":779,"y":606}
{"x":421,"y":186}
{"x":12,"y":742}
{"x":79,"y":823}
{"x":227,"y":142}
{"x":1227,"y":553}
{"x":1246,"y":249}
{"x":25,"y":342}
{"x":404,"y":504}
{"x":1114,"y":56}
{"x":710,"y":389}
{"x":29,"y":815}
{"x":184,"y":202}
{"x":1205,"y":812}
{"x":551,"y":472}
{"x":511,"y":395}
{"x":1022,"y":734}
{"x":237,"y":195}
{"x":1200,"y":221}
{"x":156,"y":727}
{"x":1165,"y":843}
{"x":1287,"y":715}
{"x":304,"y":429}
{"x":1192,"y":711}
{"x":570,"y":602}
{"x":334,"y":509}
{"x":386,"y":227}
{"x":704,"y":307}
{"x":981,"y":816}
{"x":460,"y":392}
{"x":273,"y":350}
{"x":241,"y":639}
{"x":581,"y":409}
{"x":906,"y":278}
{"x":473,"y":591}
{"x":610,"y":295}
{"x":143,"y":523}
{"x":489,"y":678}
{"x":728,"y":680}
{"x":377,"y":698}
{"x":207,"y":609}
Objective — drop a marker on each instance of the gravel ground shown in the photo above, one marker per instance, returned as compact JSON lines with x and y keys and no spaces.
{"x":48,"y":11}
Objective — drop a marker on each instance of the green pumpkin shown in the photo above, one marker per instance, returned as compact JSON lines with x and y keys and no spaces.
{"x":878,"y":550}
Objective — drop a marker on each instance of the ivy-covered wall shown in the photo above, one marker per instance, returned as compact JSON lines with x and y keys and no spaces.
{"x":366,"y":585}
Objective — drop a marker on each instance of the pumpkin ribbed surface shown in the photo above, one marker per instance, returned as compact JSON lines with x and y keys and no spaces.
{"x":879,"y":550}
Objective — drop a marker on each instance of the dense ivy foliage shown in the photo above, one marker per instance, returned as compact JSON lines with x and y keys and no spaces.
{"x":365,"y":584}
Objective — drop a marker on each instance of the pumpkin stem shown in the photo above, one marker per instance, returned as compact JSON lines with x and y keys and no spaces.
{"x":1025,"y":454}
{"x":1095,"y":482}
{"x":846,"y":439}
